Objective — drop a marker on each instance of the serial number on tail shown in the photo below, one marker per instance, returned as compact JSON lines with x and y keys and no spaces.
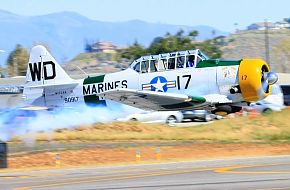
{"x":71,"y":99}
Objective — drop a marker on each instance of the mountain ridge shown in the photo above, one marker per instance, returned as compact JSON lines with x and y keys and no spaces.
{"x":65,"y":32}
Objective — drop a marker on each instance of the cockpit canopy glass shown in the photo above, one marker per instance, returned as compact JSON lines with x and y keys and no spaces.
{"x":168,"y":61}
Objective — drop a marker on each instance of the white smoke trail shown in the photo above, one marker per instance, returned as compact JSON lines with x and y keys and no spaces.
{"x":15,"y":123}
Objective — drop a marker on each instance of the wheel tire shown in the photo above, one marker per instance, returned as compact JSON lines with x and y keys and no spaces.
{"x":236,"y":109}
{"x":223,"y":110}
{"x":171,"y":120}
{"x":207,"y":118}
{"x":267,"y":111}
{"x":133,"y":119}
{"x":218,"y":117}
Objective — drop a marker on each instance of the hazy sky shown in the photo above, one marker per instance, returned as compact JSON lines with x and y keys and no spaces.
{"x":221,"y":14}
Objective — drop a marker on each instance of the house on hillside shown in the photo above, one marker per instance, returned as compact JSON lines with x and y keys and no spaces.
{"x":261,"y":26}
{"x":271,"y":26}
{"x":101,"y":47}
{"x":281,"y":25}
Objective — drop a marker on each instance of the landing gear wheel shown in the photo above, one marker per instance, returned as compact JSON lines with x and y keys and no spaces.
{"x":171,"y":120}
{"x":133,"y":119}
{"x":267,"y":111}
{"x":223,"y":110}
{"x":207,"y":118}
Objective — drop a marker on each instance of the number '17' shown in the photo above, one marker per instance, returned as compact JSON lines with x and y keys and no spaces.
{"x":184,"y":77}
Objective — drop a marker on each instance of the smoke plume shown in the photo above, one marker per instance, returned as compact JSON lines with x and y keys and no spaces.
{"x":18,"y":122}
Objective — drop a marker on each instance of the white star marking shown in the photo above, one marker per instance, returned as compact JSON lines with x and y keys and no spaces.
{"x":159,"y":85}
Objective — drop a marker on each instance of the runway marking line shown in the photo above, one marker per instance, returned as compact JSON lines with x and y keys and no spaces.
{"x":30,"y":176}
{"x":77,"y":178}
{"x":109,"y":178}
{"x":8,"y":177}
{"x":41,"y":175}
{"x":229,"y":169}
{"x":275,"y":188}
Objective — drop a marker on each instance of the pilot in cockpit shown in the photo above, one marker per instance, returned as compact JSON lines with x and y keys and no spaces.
{"x":190,"y":61}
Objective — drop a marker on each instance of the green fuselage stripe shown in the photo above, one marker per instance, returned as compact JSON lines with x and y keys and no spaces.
{"x":94,"y":99}
{"x":96,"y":79}
{"x":217,"y":63}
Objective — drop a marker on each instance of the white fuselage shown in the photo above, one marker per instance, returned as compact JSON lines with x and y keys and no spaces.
{"x":191,"y":81}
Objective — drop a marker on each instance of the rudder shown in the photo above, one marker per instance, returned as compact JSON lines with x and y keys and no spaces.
{"x":43,"y":69}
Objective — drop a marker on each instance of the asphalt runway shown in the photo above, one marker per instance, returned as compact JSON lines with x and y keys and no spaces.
{"x":259,"y":173}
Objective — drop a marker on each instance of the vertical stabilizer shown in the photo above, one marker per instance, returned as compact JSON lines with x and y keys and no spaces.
{"x":43,"y":69}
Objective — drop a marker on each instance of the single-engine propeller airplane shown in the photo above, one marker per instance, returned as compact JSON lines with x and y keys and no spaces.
{"x":170,"y":81}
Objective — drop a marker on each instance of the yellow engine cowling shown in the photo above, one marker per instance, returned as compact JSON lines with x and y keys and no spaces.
{"x":251,"y":79}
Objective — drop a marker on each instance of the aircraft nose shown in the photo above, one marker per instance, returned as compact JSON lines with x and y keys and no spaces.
{"x":272,"y":78}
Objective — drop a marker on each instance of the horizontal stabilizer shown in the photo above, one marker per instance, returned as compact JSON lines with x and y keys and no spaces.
{"x":54,"y":85}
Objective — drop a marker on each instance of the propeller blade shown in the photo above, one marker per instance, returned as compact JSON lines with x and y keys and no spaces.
{"x":265,"y":85}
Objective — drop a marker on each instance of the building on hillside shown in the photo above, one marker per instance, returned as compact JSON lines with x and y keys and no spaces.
{"x":281,"y":25}
{"x":101,"y":47}
{"x":261,"y":26}
{"x":271,"y":26}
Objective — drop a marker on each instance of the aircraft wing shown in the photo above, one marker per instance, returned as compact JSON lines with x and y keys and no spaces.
{"x":151,"y":100}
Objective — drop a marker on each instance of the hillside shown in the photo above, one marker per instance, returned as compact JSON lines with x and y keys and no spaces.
{"x":245,"y":44}
{"x":66,"y":32}
{"x":251,"y":44}
{"x":92,"y":63}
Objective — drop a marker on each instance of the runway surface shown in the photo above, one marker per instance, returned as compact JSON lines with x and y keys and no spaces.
{"x":243,"y":173}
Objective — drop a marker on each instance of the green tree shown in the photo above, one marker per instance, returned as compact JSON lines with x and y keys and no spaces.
{"x":193,"y":34}
{"x":179,"y":33}
{"x":158,"y":45}
{"x":17,"y":61}
{"x":171,"y":43}
{"x":2,"y":72}
{"x":210,"y":48}
{"x":132,"y":52}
